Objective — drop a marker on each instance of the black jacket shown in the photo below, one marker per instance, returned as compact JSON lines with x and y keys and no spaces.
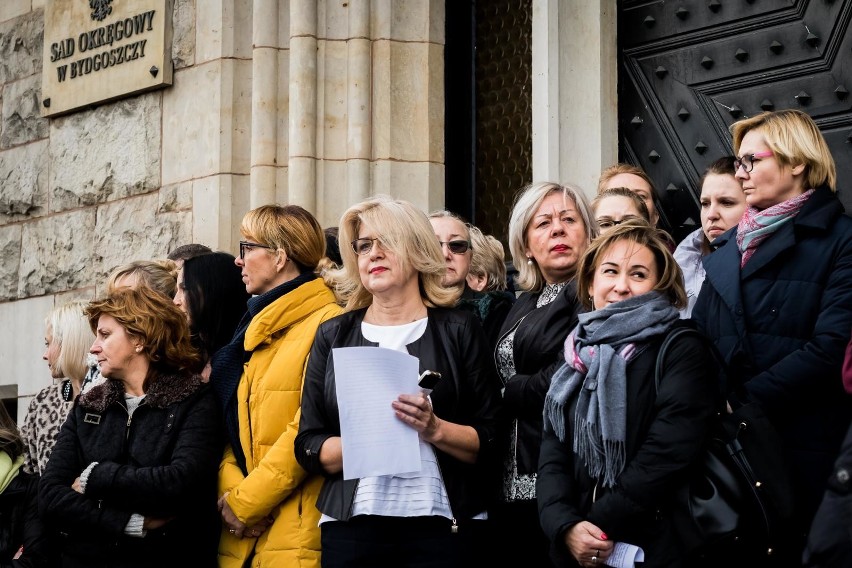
{"x":160,"y":462}
{"x":538,"y":344}
{"x":782,"y":323}
{"x":20,"y":525}
{"x":468,"y":393}
{"x":830,"y":539}
{"x":491,"y":308}
{"x":665,"y":434}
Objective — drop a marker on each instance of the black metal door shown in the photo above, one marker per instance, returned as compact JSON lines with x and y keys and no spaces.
{"x":689,"y":69}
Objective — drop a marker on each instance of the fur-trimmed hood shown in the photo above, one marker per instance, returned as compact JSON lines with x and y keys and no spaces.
{"x":164,"y":391}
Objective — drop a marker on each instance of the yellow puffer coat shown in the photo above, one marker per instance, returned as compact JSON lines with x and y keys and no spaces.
{"x":269,"y":397}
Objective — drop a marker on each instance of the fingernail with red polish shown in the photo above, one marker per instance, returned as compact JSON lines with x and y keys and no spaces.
{"x":603,"y":536}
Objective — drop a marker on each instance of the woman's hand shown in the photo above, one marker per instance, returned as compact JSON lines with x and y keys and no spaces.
{"x":235,"y":526}
{"x":588,"y":544}
{"x":416,"y":411}
{"x":154,"y":523}
{"x":77,"y":487}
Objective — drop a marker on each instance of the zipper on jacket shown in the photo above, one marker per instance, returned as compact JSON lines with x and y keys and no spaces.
{"x":455,"y":528}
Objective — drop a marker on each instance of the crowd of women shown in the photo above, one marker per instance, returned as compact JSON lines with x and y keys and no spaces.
{"x":197,"y":421}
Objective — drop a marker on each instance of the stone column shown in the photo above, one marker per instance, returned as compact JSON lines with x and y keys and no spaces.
{"x":302,"y":175}
{"x":264,"y":102}
{"x":359,"y":139}
{"x":575,"y":110}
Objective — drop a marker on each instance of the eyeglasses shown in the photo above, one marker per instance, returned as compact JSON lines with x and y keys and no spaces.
{"x":363,"y":246}
{"x":609,"y":222}
{"x":747,"y":162}
{"x":248,"y":245}
{"x":456,"y":247}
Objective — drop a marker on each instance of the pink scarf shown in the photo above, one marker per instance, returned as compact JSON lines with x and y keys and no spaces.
{"x":756,"y":226}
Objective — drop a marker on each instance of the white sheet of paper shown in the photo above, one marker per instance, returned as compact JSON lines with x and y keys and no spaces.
{"x":374,"y":440}
{"x":625,"y":555}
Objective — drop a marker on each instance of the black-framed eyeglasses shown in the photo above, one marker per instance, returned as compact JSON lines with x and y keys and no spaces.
{"x":456,"y":247}
{"x":248,"y":245}
{"x":609,"y":222}
{"x":746,"y":162}
{"x":363,"y":246}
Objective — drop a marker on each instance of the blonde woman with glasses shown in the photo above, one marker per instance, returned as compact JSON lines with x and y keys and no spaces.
{"x":777,"y":298}
{"x":392,"y":278}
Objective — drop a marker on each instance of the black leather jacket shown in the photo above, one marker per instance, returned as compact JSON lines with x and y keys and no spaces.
{"x":468,"y":393}
{"x":537,"y":348}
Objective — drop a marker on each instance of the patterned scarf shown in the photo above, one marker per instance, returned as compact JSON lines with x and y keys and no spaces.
{"x":596,"y":355}
{"x":756,"y":226}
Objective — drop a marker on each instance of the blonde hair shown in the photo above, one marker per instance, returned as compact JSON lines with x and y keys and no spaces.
{"x":794,"y":139}
{"x":444,"y":214}
{"x":289,"y":228}
{"x":70,"y":331}
{"x":488,"y":259}
{"x":622,"y":192}
{"x":158,"y":275}
{"x":622,"y":168}
{"x":639,"y":232}
{"x":403,"y":230}
{"x":527,"y":202}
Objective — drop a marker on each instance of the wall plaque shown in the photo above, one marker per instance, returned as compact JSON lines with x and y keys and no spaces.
{"x":101,"y":50}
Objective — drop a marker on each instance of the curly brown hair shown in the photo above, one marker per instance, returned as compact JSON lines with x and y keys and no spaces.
{"x":159,"y":325}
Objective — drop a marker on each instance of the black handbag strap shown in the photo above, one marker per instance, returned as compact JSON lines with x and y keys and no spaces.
{"x":683,"y":331}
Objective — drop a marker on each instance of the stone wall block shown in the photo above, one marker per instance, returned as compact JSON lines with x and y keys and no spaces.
{"x":407,"y":97}
{"x":21,"y":345}
{"x":13,"y":8}
{"x":22,"y":121}
{"x":183,"y":40}
{"x":23,"y":182}
{"x":176,"y":197}
{"x":132,"y":229}
{"x":58,"y":253}
{"x":21,"y":42}
{"x":10,"y":249}
{"x":419,"y":20}
{"x":420,"y":183}
{"x":105,"y":154}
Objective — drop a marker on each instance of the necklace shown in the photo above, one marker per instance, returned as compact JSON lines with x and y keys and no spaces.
{"x":67,"y":391}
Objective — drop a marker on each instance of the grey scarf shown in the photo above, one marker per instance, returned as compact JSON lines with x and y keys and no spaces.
{"x":596,"y":355}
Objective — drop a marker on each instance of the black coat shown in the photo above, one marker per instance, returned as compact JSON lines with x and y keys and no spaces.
{"x":830,"y":540}
{"x":468,"y":393}
{"x":782,"y":323}
{"x":537,"y":347}
{"x":665,"y":434}
{"x":20,"y":525}
{"x":160,"y":462}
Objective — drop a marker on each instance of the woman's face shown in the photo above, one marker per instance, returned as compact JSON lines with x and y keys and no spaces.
{"x":180,"y":295}
{"x":381,"y":273}
{"x":556,"y":238}
{"x":722,"y":204}
{"x":768,"y":183}
{"x":638,"y":186}
{"x":51,"y":353}
{"x":615,"y":209}
{"x":625,"y":270}
{"x":448,"y":229}
{"x":115,"y":350}
{"x":258,"y":269}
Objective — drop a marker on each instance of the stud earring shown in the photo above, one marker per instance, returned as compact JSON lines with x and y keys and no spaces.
{"x":138,"y":348}
{"x":529,"y":260}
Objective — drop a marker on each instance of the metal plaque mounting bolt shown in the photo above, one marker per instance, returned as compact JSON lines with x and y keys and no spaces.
{"x":153,"y":71}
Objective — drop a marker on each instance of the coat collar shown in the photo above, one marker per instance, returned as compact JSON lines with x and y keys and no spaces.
{"x":723,"y":266}
{"x":816,"y":216}
{"x":163,"y":392}
{"x":287,"y":310}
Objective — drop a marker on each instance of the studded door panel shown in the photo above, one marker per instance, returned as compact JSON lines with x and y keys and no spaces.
{"x":689,"y":69}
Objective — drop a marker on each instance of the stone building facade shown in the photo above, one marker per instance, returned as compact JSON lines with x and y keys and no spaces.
{"x":315,"y":102}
